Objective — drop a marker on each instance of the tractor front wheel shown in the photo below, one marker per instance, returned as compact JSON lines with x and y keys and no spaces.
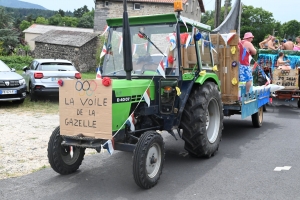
{"x":148,"y":159}
{"x":202,"y":120}
{"x":60,"y":157}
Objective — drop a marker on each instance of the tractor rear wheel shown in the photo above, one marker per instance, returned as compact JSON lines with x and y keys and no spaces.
{"x":59,"y":156}
{"x":202,"y":121}
{"x":148,"y":159}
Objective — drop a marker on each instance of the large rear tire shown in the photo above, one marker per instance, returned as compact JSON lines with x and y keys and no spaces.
{"x":202,"y":121}
{"x":257,"y":118}
{"x":148,"y":159}
{"x":59,"y":156}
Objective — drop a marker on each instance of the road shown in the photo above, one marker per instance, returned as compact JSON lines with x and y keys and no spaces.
{"x":242,"y":169}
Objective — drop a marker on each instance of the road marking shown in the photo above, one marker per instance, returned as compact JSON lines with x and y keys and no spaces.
{"x":278,"y":169}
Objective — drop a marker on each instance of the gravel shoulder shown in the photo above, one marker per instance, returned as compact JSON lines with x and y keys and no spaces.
{"x":24,"y":142}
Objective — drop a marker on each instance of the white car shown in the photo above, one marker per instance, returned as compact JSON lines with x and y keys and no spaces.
{"x":42,"y":75}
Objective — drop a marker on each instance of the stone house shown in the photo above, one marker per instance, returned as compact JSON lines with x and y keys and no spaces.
{"x":36,"y":30}
{"x":114,"y":8}
{"x":77,"y":47}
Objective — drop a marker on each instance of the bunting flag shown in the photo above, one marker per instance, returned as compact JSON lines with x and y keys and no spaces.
{"x":187,"y":30}
{"x":130,"y":122}
{"x":146,"y":46}
{"x":104,"y":51}
{"x":250,"y":58}
{"x":120,"y":44}
{"x":146,"y":96}
{"x":109,"y":145}
{"x":172,"y":39}
{"x":202,"y":46}
{"x":98,"y":76}
{"x":188,"y":41}
{"x":106,"y":28}
{"x":134,"y":46}
{"x":227,"y":37}
{"x":161,"y":69}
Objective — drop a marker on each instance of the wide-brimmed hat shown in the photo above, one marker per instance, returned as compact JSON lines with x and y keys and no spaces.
{"x":248,"y":35}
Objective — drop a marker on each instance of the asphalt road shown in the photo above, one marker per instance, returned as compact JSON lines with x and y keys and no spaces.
{"x":242,"y":169}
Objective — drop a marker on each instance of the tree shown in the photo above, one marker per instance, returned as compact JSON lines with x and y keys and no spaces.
{"x":41,"y":20}
{"x":24,"y":25}
{"x":80,"y":11}
{"x":69,"y":21}
{"x":291,"y":28}
{"x":258,"y":21}
{"x":87,"y":20}
{"x":55,"y":19}
{"x":61,"y":12}
{"x":8,"y":36}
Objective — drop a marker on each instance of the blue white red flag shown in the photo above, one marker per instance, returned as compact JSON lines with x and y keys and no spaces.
{"x":188,"y":41}
{"x":109,"y":145}
{"x":104,"y":51}
{"x":130,"y":122}
{"x":146,"y":46}
{"x":106,"y":28}
{"x":146,"y":96}
{"x":161,"y":69}
{"x":98,"y":76}
{"x":172,"y":39}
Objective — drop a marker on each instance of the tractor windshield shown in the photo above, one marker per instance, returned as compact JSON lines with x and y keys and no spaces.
{"x":151,"y":45}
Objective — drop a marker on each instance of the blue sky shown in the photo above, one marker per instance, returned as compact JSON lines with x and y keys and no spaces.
{"x":282,"y":11}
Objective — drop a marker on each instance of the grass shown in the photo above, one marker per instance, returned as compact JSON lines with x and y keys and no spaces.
{"x":43,"y":167}
{"x":41,"y":106}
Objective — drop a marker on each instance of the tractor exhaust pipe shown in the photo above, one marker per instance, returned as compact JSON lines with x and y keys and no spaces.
{"x":127,"y":51}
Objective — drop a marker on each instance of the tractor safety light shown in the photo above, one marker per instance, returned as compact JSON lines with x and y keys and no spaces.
{"x":178,"y":6}
{"x":168,"y":89}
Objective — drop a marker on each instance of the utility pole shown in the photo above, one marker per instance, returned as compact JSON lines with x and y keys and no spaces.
{"x":217,"y":13}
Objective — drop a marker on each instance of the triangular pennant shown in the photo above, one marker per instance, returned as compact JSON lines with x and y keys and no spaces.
{"x":146,"y":96}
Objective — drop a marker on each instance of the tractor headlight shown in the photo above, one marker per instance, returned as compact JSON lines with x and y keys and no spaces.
{"x":22,"y":81}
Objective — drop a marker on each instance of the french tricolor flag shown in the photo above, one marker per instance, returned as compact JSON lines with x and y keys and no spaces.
{"x":109,"y":145}
{"x":106,"y":28}
{"x":161,"y":69}
{"x":130,"y":122}
{"x":146,"y":46}
{"x":188,"y":41}
{"x":98,"y":76}
{"x":120,"y":44}
{"x":104,"y":51}
{"x":134,"y":46}
{"x":146,"y":96}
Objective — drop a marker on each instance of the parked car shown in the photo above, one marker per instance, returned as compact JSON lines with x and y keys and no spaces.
{"x":12,"y":85}
{"x":42,"y":75}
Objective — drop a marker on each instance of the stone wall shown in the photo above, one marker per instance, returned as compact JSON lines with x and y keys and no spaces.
{"x":83,"y":58}
{"x":115,"y":9}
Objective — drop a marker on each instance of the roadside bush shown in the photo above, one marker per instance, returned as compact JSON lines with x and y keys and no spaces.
{"x":17,"y":62}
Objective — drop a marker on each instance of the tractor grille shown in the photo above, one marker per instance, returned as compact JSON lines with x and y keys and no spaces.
{"x":136,"y":97}
{"x":9,"y":84}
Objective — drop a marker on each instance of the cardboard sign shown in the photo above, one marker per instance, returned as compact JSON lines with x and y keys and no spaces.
{"x":85,"y":107}
{"x":286,"y":78}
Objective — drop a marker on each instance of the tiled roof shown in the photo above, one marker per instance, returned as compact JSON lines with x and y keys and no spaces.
{"x":40,"y":29}
{"x":157,"y":1}
{"x":66,"y":38}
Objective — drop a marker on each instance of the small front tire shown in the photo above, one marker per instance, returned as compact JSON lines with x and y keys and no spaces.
{"x":148,"y":159}
{"x":59,"y":156}
{"x":257,"y":118}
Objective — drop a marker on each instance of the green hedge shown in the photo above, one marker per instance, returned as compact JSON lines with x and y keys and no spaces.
{"x":16,"y":62}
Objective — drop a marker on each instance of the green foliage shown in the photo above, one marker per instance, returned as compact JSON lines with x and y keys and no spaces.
{"x":41,"y":20}
{"x":61,"y":12}
{"x":68,"y":21}
{"x":87,"y":20}
{"x":1,"y":48}
{"x":17,"y":62}
{"x":24,"y":25}
{"x":55,"y":19}
{"x":258,"y":21}
{"x":291,"y":29}
{"x":80,"y":11}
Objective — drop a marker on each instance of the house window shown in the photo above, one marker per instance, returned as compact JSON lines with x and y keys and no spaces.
{"x":136,"y":6}
{"x":105,"y":3}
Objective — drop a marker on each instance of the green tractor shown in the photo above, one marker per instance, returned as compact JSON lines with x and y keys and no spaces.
{"x":158,"y":55}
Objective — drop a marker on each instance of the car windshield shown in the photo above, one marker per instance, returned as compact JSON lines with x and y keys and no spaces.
{"x":151,"y":47}
{"x":57,"y":67}
{"x":4,"y":67}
